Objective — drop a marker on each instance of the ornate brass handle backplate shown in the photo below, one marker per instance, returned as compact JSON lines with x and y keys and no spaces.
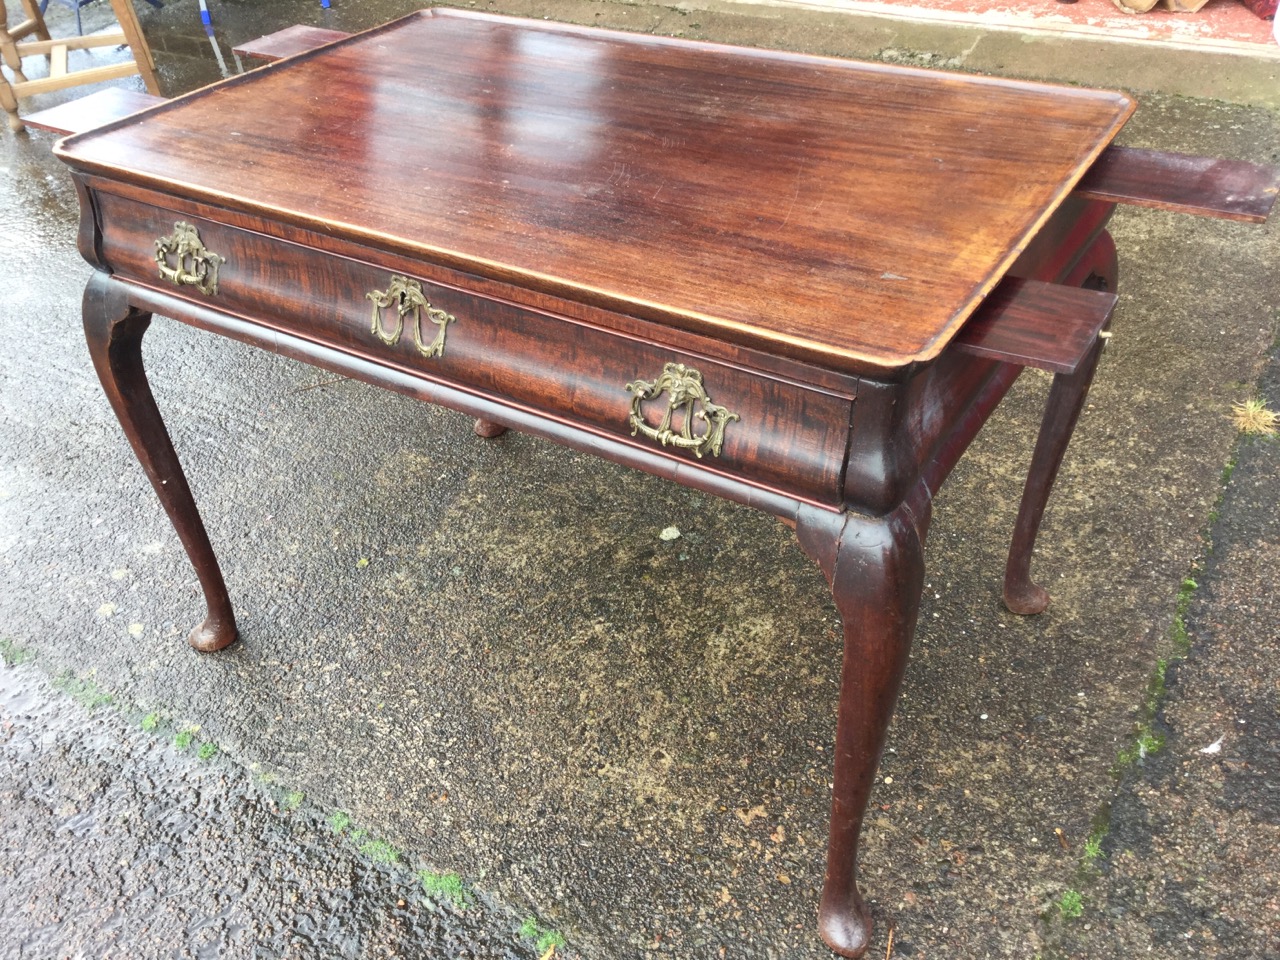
{"x":184,"y":261}
{"x":404,"y":298}
{"x":687,"y":401}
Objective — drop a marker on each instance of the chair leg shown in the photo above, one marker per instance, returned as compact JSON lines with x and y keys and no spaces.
{"x":35,"y":14}
{"x":132,"y":29}
{"x":9,"y":48}
{"x":9,"y":54}
{"x":10,"y":104}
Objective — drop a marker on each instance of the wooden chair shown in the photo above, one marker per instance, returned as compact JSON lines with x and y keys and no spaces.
{"x":13,"y":49}
{"x":77,"y":4}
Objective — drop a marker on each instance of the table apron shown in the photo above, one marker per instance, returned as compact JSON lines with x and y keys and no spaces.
{"x":472,"y":351}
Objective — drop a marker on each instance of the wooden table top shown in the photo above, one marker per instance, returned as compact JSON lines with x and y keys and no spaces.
{"x":844,"y":213}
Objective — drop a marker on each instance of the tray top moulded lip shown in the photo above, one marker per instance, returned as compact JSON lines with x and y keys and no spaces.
{"x":848,"y":214}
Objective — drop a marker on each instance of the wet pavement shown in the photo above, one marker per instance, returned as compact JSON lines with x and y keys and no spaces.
{"x":117,"y":842}
{"x":1189,"y":866}
{"x":484,"y":655}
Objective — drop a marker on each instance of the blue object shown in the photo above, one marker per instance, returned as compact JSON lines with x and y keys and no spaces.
{"x":77,"y":4}
{"x":325,"y":4}
{"x":204,"y":14}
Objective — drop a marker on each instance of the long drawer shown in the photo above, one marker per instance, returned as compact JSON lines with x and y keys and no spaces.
{"x":709,"y":414}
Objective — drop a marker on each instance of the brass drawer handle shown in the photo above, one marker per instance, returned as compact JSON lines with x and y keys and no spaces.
{"x":683,"y":386}
{"x":404,"y":298}
{"x":184,"y":261}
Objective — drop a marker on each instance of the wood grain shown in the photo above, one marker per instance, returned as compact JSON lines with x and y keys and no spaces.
{"x":846,"y":214}
{"x":92,"y":111}
{"x":787,"y":437}
{"x":296,"y":39}
{"x":1033,"y":324}
{"x":1207,"y":186}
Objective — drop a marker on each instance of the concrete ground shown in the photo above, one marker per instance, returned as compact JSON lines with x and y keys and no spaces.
{"x":471,"y":663}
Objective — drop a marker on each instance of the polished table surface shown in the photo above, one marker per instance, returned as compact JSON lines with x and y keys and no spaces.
{"x":849,"y":214}
{"x":799,"y":283}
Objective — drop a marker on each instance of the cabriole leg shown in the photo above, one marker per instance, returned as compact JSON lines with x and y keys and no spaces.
{"x":1097,"y":269}
{"x":114,"y":332}
{"x":876,"y":570}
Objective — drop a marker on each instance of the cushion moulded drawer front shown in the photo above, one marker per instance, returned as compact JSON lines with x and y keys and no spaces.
{"x":776,"y":433}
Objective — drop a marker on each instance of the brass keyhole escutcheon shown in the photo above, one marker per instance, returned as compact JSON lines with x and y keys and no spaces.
{"x":687,"y":402}
{"x":404,"y":299}
{"x":184,"y":261}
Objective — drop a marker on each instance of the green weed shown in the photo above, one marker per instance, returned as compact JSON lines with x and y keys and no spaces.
{"x":379,"y":851}
{"x":207,"y":751}
{"x":1093,"y":849}
{"x":339,"y":821}
{"x":183,"y":739}
{"x":151,"y":722}
{"x":15,"y":653}
{"x":1086,"y":872}
{"x":1147,"y":742}
{"x":292,"y":800}
{"x":444,"y":887}
{"x":82,"y":690}
{"x":543,"y":938}
{"x":1181,"y":640}
{"x":1071,"y":905}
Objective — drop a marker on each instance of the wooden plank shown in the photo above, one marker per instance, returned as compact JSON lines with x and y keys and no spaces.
{"x":1227,"y":189}
{"x":26,"y":26}
{"x":58,"y":61}
{"x":92,"y":111}
{"x":285,"y":43}
{"x":32,"y":48}
{"x":76,"y":78}
{"x":1033,"y":324}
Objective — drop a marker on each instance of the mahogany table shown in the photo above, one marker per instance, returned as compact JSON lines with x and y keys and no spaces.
{"x":801,"y":284}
